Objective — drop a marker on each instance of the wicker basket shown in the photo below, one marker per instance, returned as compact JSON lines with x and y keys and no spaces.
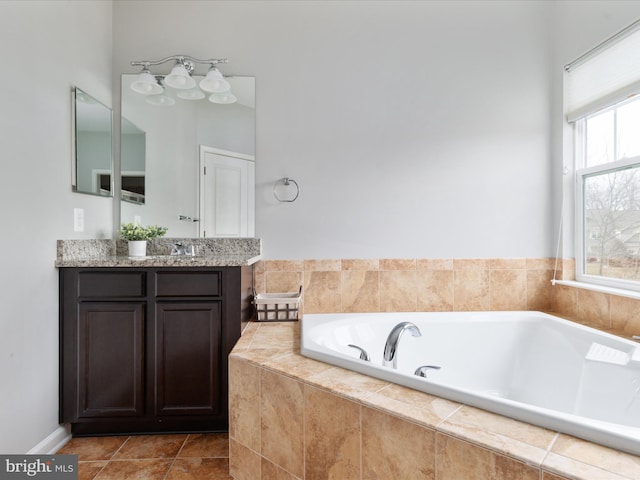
{"x":278,"y":307}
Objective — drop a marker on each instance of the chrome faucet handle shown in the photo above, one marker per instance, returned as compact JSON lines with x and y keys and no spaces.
{"x":422,"y":371}
{"x":363,"y":353}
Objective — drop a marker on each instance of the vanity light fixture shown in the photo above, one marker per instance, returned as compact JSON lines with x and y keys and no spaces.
{"x":181,"y":79}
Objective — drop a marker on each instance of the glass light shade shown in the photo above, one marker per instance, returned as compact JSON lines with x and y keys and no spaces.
{"x":179,"y":78}
{"x":146,"y":84}
{"x":223,"y":98}
{"x":192,"y":94}
{"x":160,"y":100}
{"x":214,"y":82}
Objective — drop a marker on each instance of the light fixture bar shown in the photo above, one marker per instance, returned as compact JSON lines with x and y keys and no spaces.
{"x":181,"y":59}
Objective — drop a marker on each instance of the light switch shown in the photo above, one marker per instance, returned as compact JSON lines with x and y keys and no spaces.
{"x":136,"y":219}
{"x":78,"y":219}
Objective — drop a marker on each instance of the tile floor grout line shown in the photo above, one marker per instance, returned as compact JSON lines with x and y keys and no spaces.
{"x":176,"y":455}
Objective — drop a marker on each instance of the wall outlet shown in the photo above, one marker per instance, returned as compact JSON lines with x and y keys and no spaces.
{"x":136,"y":219}
{"x":78,"y":219}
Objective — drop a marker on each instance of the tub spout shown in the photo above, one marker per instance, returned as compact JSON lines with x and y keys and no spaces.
{"x":391,"y":347}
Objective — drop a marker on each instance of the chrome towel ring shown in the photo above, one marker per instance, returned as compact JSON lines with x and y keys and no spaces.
{"x":286,"y":181}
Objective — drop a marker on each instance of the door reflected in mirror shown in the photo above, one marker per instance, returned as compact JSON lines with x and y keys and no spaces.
{"x":93,"y":133}
{"x":132,"y":161}
{"x":176,"y":127}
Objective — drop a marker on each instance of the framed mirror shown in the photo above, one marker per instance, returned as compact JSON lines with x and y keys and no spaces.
{"x":92,"y":138}
{"x":178,"y":128}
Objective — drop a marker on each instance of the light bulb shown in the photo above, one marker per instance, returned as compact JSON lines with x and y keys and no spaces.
{"x":214,"y":82}
{"x":146,"y":84}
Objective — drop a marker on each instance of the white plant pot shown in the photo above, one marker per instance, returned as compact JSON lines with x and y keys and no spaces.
{"x":137,"y":248}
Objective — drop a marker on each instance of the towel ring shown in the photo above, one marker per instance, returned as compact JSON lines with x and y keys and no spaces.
{"x":286,"y":181}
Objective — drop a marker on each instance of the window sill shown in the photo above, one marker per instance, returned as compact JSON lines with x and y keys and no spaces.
{"x":598,"y":288}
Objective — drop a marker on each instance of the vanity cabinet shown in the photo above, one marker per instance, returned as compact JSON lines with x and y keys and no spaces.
{"x":145,"y":349}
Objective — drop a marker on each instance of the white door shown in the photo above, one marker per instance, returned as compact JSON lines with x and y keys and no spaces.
{"x":226,"y":193}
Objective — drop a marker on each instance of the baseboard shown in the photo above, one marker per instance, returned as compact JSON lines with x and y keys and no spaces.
{"x":53,"y":442}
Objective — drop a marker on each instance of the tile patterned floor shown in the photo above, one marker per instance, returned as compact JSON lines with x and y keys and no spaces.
{"x":152,"y":457}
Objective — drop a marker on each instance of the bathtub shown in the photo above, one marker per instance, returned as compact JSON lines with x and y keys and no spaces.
{"x":530,"y":366}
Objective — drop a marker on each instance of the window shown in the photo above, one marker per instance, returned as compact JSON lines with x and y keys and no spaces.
{"x":603,"y":104}
{"x":608,"y":195}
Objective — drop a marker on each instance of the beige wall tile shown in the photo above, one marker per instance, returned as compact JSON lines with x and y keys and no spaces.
{"x":282,"y":282}
{"x":412,"y":404}
{"x":398,"y":291}
{"x":397,"y":264}
{"x":551,"y":476}
{"x":360,"y":291}
{"x":281,"y":337}
{"x":347,"y":382}
{"x":244,"y":394}
{"x":519,"y":440}
{"x":282,"y":413}
{"x":244,"y":464}
{"x":321,"y":265}
{"x":568,"y":269}
{"x":593,"y":308}
{"x":508,"y":263}
{"x":435,"y":290}
{"x":471,"y":263}
{"x":471,"y":290}
{"x":260,"y":282}
{"x":508,"y":289}
{"x":540,"y":293}
{"x":322,"y":292}
{"x":297,"y":366}
{"x":259,"y":266}
{"x":332,"y":433}
{"x":283,"y":265}
{"x":589,"y":455}
{"x":394,"y":448}
{"x":541,"y":263}
{"x":625,"y":314}
{"x":434,"y":264}
{"x":566,"y":300}
{"x":457,"y":460}
{"x":360,"y":264}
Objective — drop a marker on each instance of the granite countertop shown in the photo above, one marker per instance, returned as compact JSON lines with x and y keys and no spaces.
{"x":214,"y":252}
{"x":161,"y":261}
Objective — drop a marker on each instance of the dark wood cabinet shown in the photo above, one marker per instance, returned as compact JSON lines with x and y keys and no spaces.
{"x":145,"y":349}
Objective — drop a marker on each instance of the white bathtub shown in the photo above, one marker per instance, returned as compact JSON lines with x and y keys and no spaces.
{"x":529,"y":366}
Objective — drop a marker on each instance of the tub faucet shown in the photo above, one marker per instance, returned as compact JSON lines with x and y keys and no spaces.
{"x":391,"y":347}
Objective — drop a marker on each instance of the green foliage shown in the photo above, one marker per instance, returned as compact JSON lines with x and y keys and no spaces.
{"x":131,"y":232}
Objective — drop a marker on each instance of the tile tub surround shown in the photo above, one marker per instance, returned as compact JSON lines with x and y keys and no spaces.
{"x":409,"y":285}
{"x":292,"y":417}
{"x":218,"y":252}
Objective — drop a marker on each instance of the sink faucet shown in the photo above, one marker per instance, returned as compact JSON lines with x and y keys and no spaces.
{"x":391,"y":347}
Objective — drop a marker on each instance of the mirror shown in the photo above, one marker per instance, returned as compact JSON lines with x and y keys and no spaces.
{"x":181,"y":136}
{"x":93,"y":165}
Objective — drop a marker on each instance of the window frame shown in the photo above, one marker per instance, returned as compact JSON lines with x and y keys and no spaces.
{"x":582,"y":173}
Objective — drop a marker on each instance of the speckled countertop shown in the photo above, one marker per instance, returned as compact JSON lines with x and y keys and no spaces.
{"x":211,"y":252}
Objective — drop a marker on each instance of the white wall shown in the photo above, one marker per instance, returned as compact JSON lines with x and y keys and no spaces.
{"x":415,"y":129}
{"x":47,"y":48}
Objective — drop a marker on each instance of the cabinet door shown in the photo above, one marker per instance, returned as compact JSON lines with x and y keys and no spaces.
{"x":188,"y":380}
{"x":110,"y":359}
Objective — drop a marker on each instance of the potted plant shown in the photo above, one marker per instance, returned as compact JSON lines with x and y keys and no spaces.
{"x":137,"y":236}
